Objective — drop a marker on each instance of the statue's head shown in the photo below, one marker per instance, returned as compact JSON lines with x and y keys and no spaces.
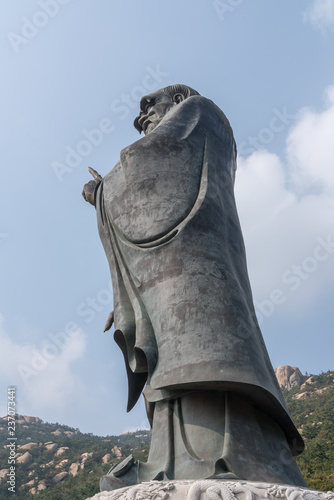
{"x":153,"y":107}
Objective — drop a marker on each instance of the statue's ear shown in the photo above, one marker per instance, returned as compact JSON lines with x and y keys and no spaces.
{"x":177,"y":98}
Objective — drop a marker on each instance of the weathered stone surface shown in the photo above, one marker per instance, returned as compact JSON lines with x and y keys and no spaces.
{"x":28,"y":446}
{"x":60,"y":477}
{"x":28,"y":485}
{"x":22,"y":419}
{"x":116,"y":451}
{"x":106,"y":458}
{"x":306,"y":394}
{"x":70,"y":433}
{"x":74,"y":468}
{"x":26,"y":458}
{"x":302,"y":395}
{"x":62,"y":464}
{"x":307,"y":382}
{"x":61,"y":450}
{"x":3,"y":474}
{"x":289,"y":376}
{"x":51,"y":446}
{"x":41,"y":486}
{"x":57,"y":432}
{"x":213,"y":490}
{"x":84,"y":458}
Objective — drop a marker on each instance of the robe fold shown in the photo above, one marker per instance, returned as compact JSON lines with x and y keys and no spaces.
{"x":183,"y":307}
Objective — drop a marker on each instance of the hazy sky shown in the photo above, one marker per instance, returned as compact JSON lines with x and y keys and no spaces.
{"x":72,"y":76}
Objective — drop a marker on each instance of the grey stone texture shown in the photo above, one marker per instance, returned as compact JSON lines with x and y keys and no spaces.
{"x":183,"y":309}
{"x":213,"y":490}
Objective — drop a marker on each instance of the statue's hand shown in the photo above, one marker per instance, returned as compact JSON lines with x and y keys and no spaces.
{"x":89,"y":190}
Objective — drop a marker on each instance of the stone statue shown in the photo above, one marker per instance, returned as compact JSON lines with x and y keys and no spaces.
{"x":183,"y":309}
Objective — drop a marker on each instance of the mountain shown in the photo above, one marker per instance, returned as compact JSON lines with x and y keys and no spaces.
{"x":54,"y":461}
{"x":311,"y":405}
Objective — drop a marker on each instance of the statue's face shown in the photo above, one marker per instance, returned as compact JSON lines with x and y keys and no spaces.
{"x":153,"y":108}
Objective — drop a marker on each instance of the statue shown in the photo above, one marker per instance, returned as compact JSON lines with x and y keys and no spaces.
{"x":183,"y":309}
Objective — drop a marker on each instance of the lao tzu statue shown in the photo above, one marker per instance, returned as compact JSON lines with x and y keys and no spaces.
{"x":183,"y":310}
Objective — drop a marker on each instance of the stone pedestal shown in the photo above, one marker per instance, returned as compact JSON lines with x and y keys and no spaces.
{"x":208,"y":489}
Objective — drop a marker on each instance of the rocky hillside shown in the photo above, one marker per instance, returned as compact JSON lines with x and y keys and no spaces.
{"x":311,"y":405}
{"x":55,"y":461}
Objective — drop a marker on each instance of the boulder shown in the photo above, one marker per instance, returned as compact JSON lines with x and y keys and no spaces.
{"x":28,"y":446}
{"x":62,"y":464}
{"x":116,"y":451}
{"x":302,"y":395}
{"x":106,"y":458}
{"x":60,"y":477}
{"x":74,"y":468}
{"x":307,"y":394}
{"x":84,"y":458}
{"x":3,"y":474}
{"x":31,"y":420}
{"x":41,"y":486}
{"x":61,"y":450}
{"x":22,"y":419}
{"x":289,"y":376}
{"x":69,"y":433}
{"x":310,"y":380}
{"x":28,"y":485}
{"x":24,"y":459}
{"x":51,"y":446}
{"x":57,"y":432}
{"x":321,"y":391}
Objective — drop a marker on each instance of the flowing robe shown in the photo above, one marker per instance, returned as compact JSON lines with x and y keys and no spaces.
{"x":183,"y":308}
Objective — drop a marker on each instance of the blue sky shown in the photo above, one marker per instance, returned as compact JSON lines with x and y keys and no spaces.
{"x":72,"y":76}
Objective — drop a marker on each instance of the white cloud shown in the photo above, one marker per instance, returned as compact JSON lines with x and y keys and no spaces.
{"x":42,"y":374}
{"x":320,"y":14}
{"x":287,"y":208}
{"x":310,"y":147}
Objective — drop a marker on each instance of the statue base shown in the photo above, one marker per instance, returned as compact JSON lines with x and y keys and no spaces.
{"x":215,"y":489}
